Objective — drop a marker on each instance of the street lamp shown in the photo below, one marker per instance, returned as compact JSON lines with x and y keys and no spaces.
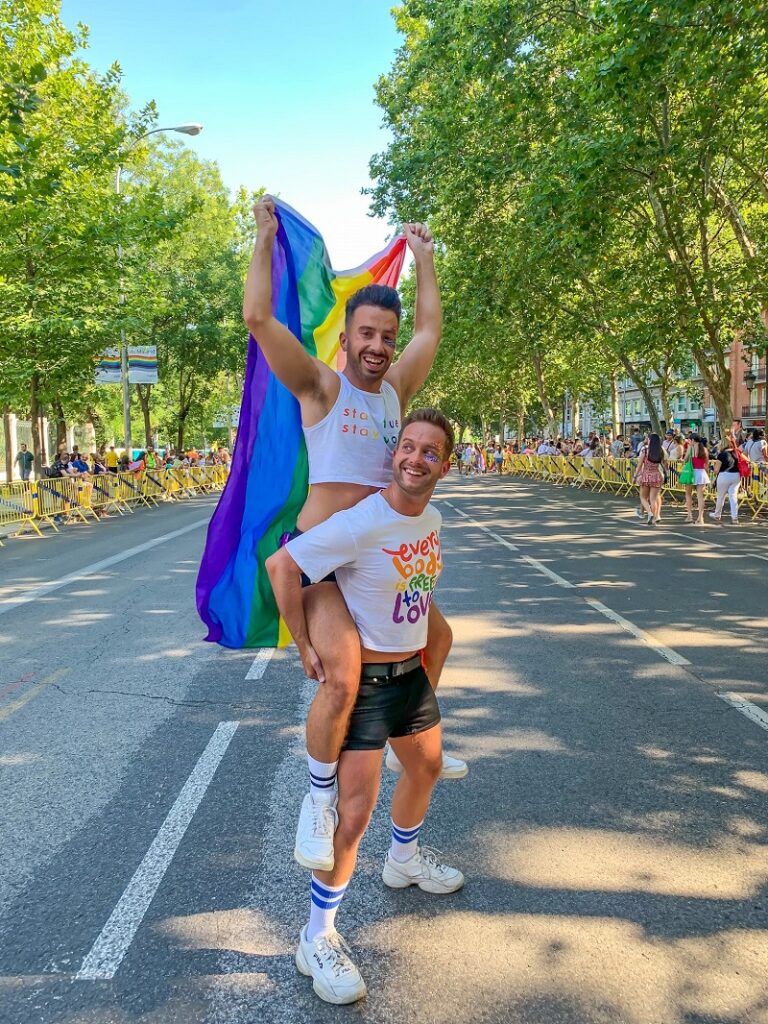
{"x":192,"y":128}
{"x":750,"y":379}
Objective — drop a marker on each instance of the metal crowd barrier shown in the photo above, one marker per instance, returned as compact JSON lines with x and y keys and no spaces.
{"x":58,"y":501}
{"x":617,"y":475}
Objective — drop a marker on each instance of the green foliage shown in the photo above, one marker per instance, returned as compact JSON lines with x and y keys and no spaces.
{"x":598,"y":175}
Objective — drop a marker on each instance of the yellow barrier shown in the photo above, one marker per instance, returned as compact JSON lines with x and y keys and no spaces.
{"x":57,"y":501}
{"x":617,"y":475}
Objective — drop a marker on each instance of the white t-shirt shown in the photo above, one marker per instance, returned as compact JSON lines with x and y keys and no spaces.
{"x":387,"y":566}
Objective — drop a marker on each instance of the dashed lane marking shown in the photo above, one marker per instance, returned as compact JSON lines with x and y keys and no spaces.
{"x":647,"y":638}
{"x":746,"y":708}
{"x":260,"y":662}
{"x":666,"y":652}
{"x":33,"y":691}
{"x":116,"y":936}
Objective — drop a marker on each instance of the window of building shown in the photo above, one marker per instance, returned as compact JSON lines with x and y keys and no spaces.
{"x":681,"y":403}
{"x":637,"y":407}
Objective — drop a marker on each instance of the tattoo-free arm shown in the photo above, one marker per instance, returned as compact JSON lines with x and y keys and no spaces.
{"x":285,"y":577}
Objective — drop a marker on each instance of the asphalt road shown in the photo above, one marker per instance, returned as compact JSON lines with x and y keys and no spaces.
{"x":613,"y":827}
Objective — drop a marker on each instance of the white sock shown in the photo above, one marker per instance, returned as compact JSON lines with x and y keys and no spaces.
{"x":405,"y":842}
{"x":325,"y":900}
{"x":322,"y":777}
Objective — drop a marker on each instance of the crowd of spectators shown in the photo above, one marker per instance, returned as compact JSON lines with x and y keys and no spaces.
{"x":107,"y":460}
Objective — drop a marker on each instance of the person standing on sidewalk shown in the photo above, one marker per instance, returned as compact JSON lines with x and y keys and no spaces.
{"x":699,"y":455}
{"x":650,"y":475}
{"x":727,"y":479}
{"x":24,"y":460}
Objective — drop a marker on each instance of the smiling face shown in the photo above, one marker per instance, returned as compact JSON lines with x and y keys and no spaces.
{"x":420,"y":459}
{"x":369,"y":342}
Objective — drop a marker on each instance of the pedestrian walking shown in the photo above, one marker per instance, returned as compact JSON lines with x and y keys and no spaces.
{"x":24,"y":460}
{"x":650,"y":476}
{"x":727,"y":479}
{"x":698,"y":456}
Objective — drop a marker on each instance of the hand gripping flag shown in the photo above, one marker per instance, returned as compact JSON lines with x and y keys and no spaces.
{"x":268,"y":480}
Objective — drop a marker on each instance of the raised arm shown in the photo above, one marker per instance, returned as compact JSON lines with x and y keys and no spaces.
{"x":285,"y":577}
{"x":412,"y":368}
{"x":302,"y":374}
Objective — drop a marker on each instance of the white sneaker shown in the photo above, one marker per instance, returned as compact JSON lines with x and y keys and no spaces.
{"x":335,"y":977}
{"x":314,"y":836}
{"x":713,"y":516}
{"x":424,"y":870}
{"x":453,"y":767}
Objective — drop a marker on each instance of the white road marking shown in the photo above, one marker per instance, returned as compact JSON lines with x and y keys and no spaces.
{"x":110,"y":947}
{"x":747,"y":708}
{"x":666,"y":652}
{"x":28,"y":596}
{"x":647,"y":638}
{"x":260,"y":662}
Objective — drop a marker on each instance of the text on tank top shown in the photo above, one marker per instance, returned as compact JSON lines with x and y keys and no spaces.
{"x":354,"y":442}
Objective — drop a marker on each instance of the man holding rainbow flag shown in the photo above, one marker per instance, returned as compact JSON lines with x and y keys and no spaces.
{"x":351,"y":420}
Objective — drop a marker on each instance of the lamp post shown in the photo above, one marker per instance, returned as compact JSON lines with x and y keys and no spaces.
{"x":185,"y":129}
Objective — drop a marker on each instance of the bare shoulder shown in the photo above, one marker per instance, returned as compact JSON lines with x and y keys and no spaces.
{"x":318,"y":402}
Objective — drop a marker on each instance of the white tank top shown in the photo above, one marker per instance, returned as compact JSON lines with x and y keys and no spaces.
{"x":354,"y":442}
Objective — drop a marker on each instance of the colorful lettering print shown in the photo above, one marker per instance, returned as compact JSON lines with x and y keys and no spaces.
{"x":389,"y":431}
{"x":418,"y":567}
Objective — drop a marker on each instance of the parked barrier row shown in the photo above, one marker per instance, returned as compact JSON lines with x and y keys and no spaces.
{"x":57,"y":501}
{"x":617,"y":475}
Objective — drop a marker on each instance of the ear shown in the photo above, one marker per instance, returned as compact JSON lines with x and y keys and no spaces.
{"x":446,"y":466}
{"x":343,"y":341}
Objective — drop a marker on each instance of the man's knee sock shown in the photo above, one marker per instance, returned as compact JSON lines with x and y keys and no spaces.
{"x":322,"y":777}
{"x":325,"y":900}
{"x":405,"y":842}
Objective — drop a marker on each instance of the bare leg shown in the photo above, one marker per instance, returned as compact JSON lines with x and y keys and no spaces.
{"x":336,"y":640}
{"x":422,"y":759}
{"x":689,"y":501}
{"x":439,"y":641}
{"x":644,"y":492}
{"x":359,"y":774}
{"x":700,"y":503}
{"x":654,"y":501}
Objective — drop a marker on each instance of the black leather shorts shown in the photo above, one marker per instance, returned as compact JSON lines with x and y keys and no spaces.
{"x":391,"y":706}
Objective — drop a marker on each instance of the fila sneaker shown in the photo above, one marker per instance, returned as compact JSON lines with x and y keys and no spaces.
{"x":314,"y":836}
{"x":424,"y":870}
{"x":334,"y":977}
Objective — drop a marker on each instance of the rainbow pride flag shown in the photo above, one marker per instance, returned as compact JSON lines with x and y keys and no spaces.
{"x":268,"y":480}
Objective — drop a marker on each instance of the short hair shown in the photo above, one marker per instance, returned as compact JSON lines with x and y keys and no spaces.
{"x":380,"y":295}
{"x":437,"y":419}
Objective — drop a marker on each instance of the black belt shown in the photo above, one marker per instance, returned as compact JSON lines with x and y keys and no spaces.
{"x":390,"y":669}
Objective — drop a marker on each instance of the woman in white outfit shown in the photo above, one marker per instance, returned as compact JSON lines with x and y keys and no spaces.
{"x":727,"y":479}
{"x":756,"y":449}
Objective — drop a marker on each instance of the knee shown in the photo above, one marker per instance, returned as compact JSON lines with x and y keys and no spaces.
{"x":341,"y":688}
{"x":426,"y":773}
{"x":353,"y":821}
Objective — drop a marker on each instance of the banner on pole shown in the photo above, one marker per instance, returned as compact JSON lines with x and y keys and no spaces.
{"x":108,"y":367}
{"x":142,"y":364}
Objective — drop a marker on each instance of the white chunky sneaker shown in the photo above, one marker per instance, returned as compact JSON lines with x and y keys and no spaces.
{"x":314,"y":836}
{"x":424,"y":870}
{"x":453,"y":768}
{"x":335,"y":977}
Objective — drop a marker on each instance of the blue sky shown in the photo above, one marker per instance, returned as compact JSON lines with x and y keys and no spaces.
{"x":284,"y":91}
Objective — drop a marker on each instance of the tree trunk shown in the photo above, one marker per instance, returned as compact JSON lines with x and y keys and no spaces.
{"x":34,"y":412}
{"x":144,"y":391}
{"x":61,"y":427}
{"x":546,"y":405}
{"x":719,"y":385}
{"x":520,"y":422}
{"x":666,"y":409}
{"x":8,"y":445}
{"x":575,"y":415}
{"x":615,"y":411}
{"x":645,"y":391}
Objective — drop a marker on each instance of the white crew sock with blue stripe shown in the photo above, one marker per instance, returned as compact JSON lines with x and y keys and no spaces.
{"x":322,"y":778}
{"x":322,"y":912}
{"x":405,"y":842}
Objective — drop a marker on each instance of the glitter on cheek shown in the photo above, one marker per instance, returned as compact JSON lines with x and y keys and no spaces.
{"x":431,"y":458}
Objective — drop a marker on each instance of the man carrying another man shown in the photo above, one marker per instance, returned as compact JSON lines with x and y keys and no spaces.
{"x":351,"y":422}
{"x":385,"y":553}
